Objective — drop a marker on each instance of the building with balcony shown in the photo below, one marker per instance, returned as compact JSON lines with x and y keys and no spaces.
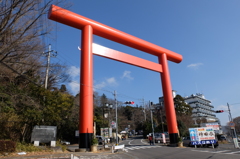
{"x":202,"y":112}
{"x":202,"y":109}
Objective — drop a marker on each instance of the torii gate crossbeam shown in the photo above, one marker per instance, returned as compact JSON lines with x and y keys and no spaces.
{"x":90,"y":27}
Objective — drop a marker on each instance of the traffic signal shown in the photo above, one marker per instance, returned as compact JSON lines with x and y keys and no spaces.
{"x":129,"y":102}
{"x":219,"y":111}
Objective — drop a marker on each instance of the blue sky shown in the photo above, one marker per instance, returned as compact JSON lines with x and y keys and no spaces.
{"x":206,"y":33}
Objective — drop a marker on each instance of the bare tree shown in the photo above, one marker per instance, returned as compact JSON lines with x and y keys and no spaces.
{"x":21,"y":45}
{"x":237,"y":124}
{"x":23,"y":23}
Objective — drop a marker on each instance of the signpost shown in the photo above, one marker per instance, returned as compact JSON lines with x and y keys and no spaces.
{"x":44,"y":134}
{"x":231,"y":124}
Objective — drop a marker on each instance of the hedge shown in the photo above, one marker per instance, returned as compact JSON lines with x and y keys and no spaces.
{"x":7,"y":146}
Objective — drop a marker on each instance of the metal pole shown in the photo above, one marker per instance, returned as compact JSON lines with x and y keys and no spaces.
{"x":234,"y":131}
{"x":161,"y":120}
{"x":152,"y":121}
{"x":230,"y":115}
{"x":109,"y":125}
{"x":115,"y":98}
{"x":144,"y":111}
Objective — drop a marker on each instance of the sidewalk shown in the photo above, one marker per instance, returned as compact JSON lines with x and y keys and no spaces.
{"x":66,"y":155}
{"x":73,"y":155}
{"x":100,"y":154}
{"x":227,"y":146}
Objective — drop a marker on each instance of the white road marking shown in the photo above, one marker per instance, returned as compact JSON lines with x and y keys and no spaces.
{"x":200,"y":151}
{"x":130,"y":142}
{"x":132,"y":148}
{"x":223,"y":151}
{"x":140,"y":147}
{"x":219,"y":151}
{"x":142,"y":141}
{"x":232,"y":152}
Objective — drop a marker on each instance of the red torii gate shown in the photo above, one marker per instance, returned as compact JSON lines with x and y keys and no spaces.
{"x":90,"y":27}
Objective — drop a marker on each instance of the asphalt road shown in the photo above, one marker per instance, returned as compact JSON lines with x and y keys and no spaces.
{"x":139,"y":148}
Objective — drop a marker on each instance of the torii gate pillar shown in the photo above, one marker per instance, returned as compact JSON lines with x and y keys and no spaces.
{"x":86,"y":90}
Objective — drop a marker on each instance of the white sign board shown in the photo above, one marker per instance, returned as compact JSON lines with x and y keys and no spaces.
{"x":215,"y":126}
{"x":203,"y":133}
{"x":106,"y":132}
{"x":76,"y":133}
{"x":113,"y":124}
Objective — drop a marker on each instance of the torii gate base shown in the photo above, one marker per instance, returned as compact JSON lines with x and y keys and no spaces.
{"x":90,"y":27}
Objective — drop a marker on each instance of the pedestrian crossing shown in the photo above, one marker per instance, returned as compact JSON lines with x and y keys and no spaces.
{"x":237,"y":152}
{"x":128,"y":148}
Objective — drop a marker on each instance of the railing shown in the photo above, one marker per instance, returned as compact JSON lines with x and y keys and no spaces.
{"x":209,"y":105}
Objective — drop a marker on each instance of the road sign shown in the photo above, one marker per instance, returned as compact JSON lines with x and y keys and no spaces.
{"x":231,"y":124}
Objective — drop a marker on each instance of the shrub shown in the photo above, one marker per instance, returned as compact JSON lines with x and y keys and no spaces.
{"x":94,"y":141}
{"x":7,"y":146}
{"x":180,"y":139}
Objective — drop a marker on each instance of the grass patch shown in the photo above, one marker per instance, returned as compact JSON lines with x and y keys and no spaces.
{"x":27,"y":147}
{"x":223,"y":142}
{"x":63,"y":147}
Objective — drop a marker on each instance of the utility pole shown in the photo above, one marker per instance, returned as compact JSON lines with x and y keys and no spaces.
{"x":48,"y":54}
{"x":150,"y":105}
{"x":161,"y":119}
{"x":144,"y":111}
{"x":233,"y":128}
{"x":115,"y":98}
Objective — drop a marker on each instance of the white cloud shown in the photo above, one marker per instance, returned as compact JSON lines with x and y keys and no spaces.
{"x":127,"y":74}
{"x":74,"y":87}
{"x":195,"y":65}
{"x":100,"y":85}
{"x":74,"y":71}
{"x":222,"y":107}
{"x":107,"y":82}
{"x":112,"y":81}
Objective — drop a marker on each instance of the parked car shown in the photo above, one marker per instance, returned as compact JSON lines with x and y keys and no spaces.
{"x":159,"y":139}
{"x":187,"y":142}
{"x":222,"y":138}
{"x":65,"y":142}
